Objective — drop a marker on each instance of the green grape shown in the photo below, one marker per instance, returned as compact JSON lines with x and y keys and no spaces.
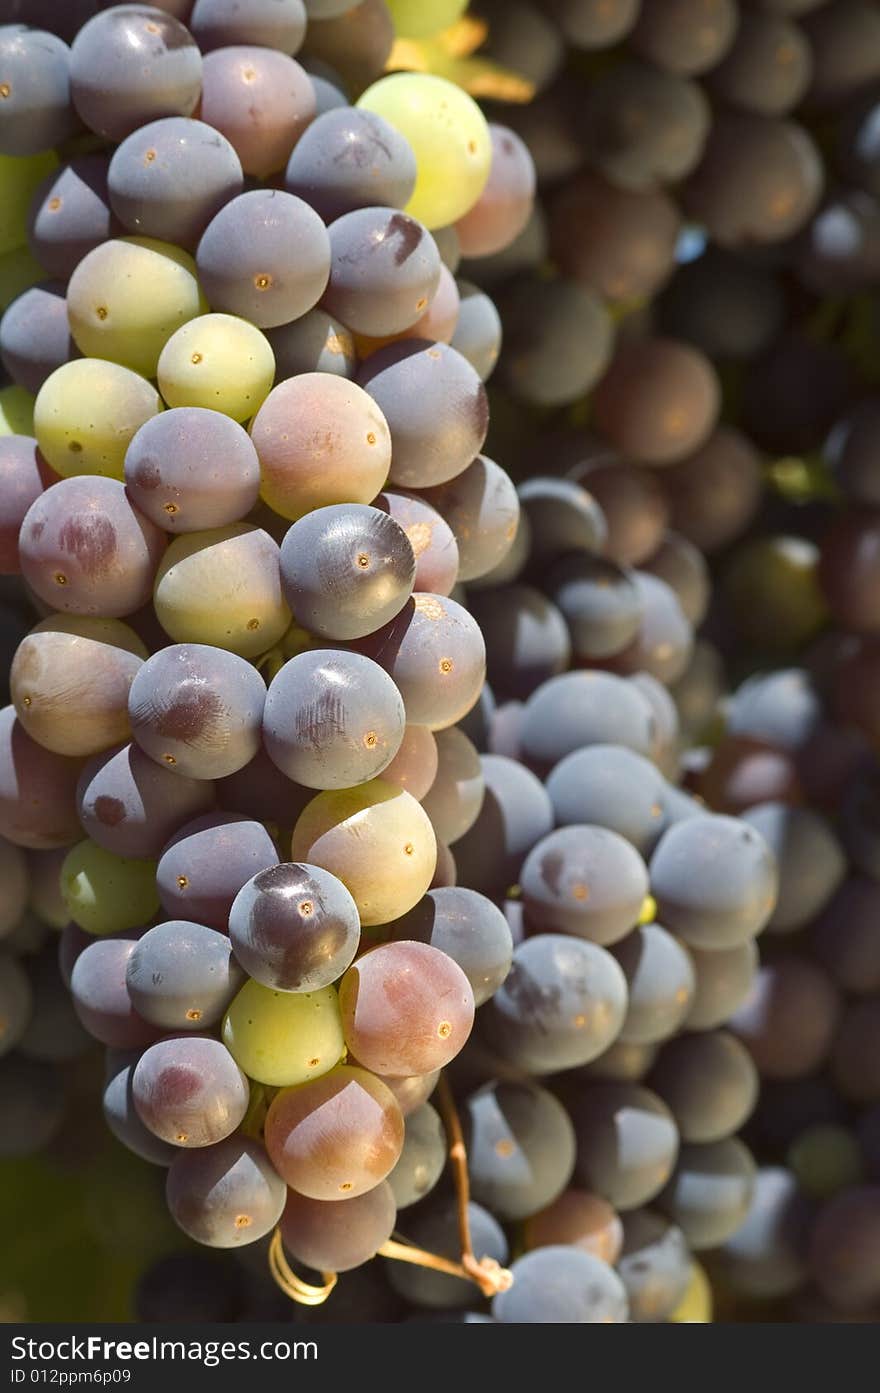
{"x":377,"y":840}
{"x":126,"y":298}
{"x":218,"y":362}
{"x":826,"y":1158}
{"x":19,"y":270}
{"x":16,"y":411}
{"x":281,"y":1038}
{"x":450,"y":138}
{"x":419,"y":19}
{"x":223,"y":587}
{"x":86,"y":413}
{"x":107,"y":894}
{"x":18,"y":180}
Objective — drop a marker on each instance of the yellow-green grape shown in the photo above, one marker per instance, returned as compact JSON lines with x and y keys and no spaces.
{"x":377,"y":840}
{"x":281,"y":1038}
{"x":695,"y":1307}
{"x":107,"y":894}
{"x":450,"y":138}
{"x":86,"y":413}
{"x":419,"y":19}
{"x":19,"y":270}
{"x":16,"y":411}
{"x":223,"y":587}
{"x":18,"y":180}
{"x":126,"y":298}
{"x":219,"y":362}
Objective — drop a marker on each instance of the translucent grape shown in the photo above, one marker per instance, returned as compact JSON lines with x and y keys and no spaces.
{"x":260,"y":100}
{"x":333,"y":1237}
{"x":222,"y":587}
{"x":225,"y":1195}
{"x":282,"y":1038}
{"x":414,"y":767}
{"x":294,"y":928}
{"x":219,"y":362}
{"x":86,"y":413}
{"x":448,"y":135}
{"x":321,"y":440}
{"x":131,"y":805}
{"x":107,"y":894}
{"x":190,"y":468}
{"x":336,"y":1137}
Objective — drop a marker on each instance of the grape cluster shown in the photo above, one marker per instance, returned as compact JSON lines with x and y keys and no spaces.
{"x":367,"y":803}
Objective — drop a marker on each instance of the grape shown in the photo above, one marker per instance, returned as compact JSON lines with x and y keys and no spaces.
{"x":415,"y":19}
{"x":579,"y":1220}
{"x":130,"y":805}
{"x":723,"y":305}
{"x":36,"y":91}
{"x":850,"y":452}
{"x":655,"y":1266}
{"x":765,"y":1257}
{"x":182,"y":976}
{"x":844,"y":936}
{"x":430,"y":536}
{"x":206,"y":864}
{"x":169,"y":178}
{"x":34,"y":1105}
{"x":415,"y":765}
{"x":760,"y":180}
{"x":627,"y":1142}
{"x":107,"y":894}
{"x":658,"y":401}
{"x":314,"y":343}
{"x":662,"y":646}
{"x":610,"y":786}
{"x":633,"y":503}
{"x":422,"y":1160}
{"x":584,"y":708}
{"x":282,"y":1038}
{"x":809,"y":858}
{"x":521,"y":1148}
{"x":723,"y":981}
{"x":682,"y":566}
{"x":197,"y":710}
{"x":562,"y":1285}
{"x":455,"y":797}
{"x":854,"y":1056}
{"x":336,"y":1238}
{"x":789,"y":1018}
{"x":70,"y":214}
{"x":482,"y":509}
{"x":709,"y":1194}
{"x":646,"y":127}
{"x":261,"y":791}
{"x":15,"y":875}
{"x":189,"y":1091}
{"x":225,"y":1195}
{"x":70,"y":680}
{"x":277,"y":24}
{"x":219,"y":362}
{"x":685,"y":36}
{"x":743,"y":772}
{"x":709,"y":1083}
{"x":419,"y":1026}
{"x":515,"y":814}
{"x":336,"y":1137}
{"x":435,"y":1228}
{"x":558,"y":339}
{"x":522,"y":38}
{"x":562,"y":1003}
{"x":122,"y":1118}
{"x":346,"y":570}
{"x":449,"y":137}
{"x":222,"y":587}
{"x":768,"y":68}
{"x":562,"y":517}
{"x":260,"y":100}
{"x":189,"y":469}
{"x":825,"y":1158}
{"x":660,"y":984}
{"x":355,"y":43}
{"x":100,"y":998}
{"x":590,"y":24}
{"x":34,"y":335}
{"x":87,"y":411}
{"x":294,"y":928}
{"x":846,"y":52}
{"x":435,"y":653}
{"x":502,"y":209}
{"x":265,"y":256}
{"x":585,"y":881}
{"x":16,"y":1003}
{"x":600,"y":603}
{"x":321,"y":440}
{"x":715,"y":881}
{"x":23,"y":477}
{"x":617,"y":242}
{"x":435,"y":406}
{"x":37,"y":789}
{"x":527,"y":640}
{"x":477,"y":334}
{"x":352,"y":159}
{"x":715,"y":492}
{"x":332,"y":719}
